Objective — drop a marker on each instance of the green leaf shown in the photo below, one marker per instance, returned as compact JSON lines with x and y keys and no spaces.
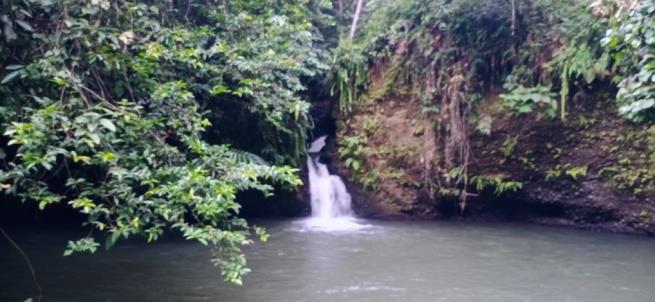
{"x":218,"y":90}
{"x":108,"y":124}
{"x":111,"y":239}
{"x":356,"y":165}
{"x":26,"y":26}
{"x":10,"y":76}
{"x":95,"y":138}
{"x":14,"y":67}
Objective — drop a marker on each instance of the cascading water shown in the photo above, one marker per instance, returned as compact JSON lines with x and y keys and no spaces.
{"x":330,"y":200}
{"x":329,"y":196}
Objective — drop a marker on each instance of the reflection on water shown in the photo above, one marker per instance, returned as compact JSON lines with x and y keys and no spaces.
{"x":385,"y":261}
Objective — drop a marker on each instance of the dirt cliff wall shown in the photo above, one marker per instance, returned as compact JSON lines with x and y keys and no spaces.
{"x":594,"y":170}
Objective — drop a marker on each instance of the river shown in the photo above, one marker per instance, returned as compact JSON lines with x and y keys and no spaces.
{"x":383,"y":261}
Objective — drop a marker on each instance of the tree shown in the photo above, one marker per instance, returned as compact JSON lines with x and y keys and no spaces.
{"x":125,"y":111}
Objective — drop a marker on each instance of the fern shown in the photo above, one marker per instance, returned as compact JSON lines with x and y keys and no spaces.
{"x":577,"y":172}
{"x":497,"y":182}
{"x":244,"y":157}
{"x":348,"y":76}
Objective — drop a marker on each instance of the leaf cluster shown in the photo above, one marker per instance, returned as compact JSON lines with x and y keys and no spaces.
{"x":148,"y":116}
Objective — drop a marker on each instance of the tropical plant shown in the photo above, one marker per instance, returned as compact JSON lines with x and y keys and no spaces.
{"x":524,"y":100}
{"x":498,"y":182}
{"x":351,"y":150}
{"x":632,"y":42}
{"x":146,"y":115}
{"x":348,"y":76}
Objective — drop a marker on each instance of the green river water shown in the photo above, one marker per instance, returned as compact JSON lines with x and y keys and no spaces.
{"x":383,"y":261}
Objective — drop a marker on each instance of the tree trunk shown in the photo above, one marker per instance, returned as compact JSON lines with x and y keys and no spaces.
{"x":358,"y":11}
{"x":513,"y":18}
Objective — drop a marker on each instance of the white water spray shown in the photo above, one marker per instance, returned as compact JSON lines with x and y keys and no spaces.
{"x":330,"y":200}
{"x":329,"y":196}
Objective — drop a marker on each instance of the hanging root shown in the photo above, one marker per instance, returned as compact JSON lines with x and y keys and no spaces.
{"x":454,"y":132}
{"x":27,"y":260}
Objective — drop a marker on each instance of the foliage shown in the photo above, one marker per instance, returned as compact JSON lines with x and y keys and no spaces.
{"x":559,"y":48}
{"x":432,"y":51}
{"x":524,"y":100}
{"x":352,"y":151}
{"x":636,"y":172}
{"x":508,"y":146}
{"x":446,"y":54}
{"x":632,"y":41}
{"x":545,"y":56}
{"x":554,"y":173}
{"x":348,"y":76}
{"x":140,"y":114}
{"x":576,"y":172}
{"x":575,"y":62}
{"x":484,"y":125}
{"x":497,"y":182}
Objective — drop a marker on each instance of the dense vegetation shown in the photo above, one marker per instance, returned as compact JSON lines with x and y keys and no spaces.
{"x":451,"y":56}
{"x":153,"y":115}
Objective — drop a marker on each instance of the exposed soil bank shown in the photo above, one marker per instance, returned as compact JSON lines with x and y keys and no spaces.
{"x":593,"y":170}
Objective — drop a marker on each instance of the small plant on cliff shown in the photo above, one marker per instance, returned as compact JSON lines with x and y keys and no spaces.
{"x":554,"y":173}
{"x":525,"y":100}
{"x":508,"y":146}
{"x":576,"y":172}
{"x":497,"y":182}
{"x":636,"y":174}
{"x":484,"y":125}
{"x":352,"y":150}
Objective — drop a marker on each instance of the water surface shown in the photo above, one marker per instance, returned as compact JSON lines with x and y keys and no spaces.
{"x":383,"y":261}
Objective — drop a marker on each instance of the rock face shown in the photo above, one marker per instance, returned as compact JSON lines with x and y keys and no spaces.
{"x":591,"y":171}
{"x":389,"y":183}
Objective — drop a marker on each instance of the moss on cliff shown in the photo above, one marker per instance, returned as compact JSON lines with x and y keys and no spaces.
{"x":466,"y":108}
{"x":594,"y":170}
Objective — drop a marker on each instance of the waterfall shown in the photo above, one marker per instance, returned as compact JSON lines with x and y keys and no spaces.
{"x":329,"y":197}
{"x":330,"y":200}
